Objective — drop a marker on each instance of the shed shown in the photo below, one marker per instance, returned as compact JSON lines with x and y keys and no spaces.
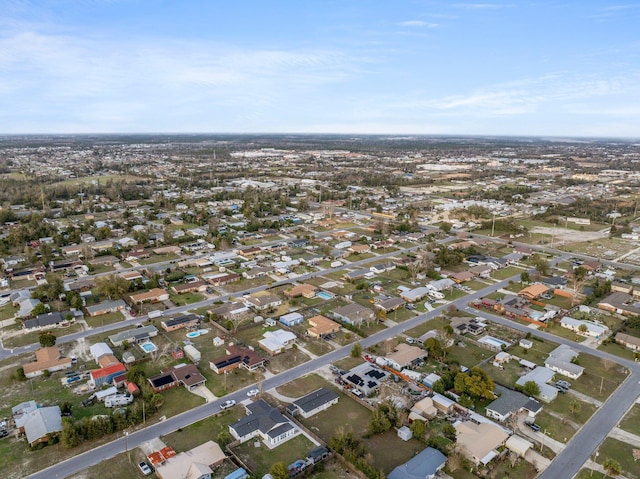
{"x":291,"y":319}
{"x":518,"y":445}
{"x":192,"y":353}
{"x":405,"y":433}
{"x":237,"y":474}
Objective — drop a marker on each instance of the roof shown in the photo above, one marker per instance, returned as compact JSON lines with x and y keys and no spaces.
{"x":353,"y":311}
{"x":508,"y":402}
{"x":188,"y":374}
{"x":321,"y":325}
{"x":628,"y":339}
{"x":99,"y":349}
{"x":150,"y":295}
{"x":479,"y":440}
{"x":106,"y":305}
{"x":183,"y":319}
{"x":46,"y":358}
{"x":422,"y":466}
{"x":533,"y":291}
{"x":316,"y":399}
{"x":108,"y":371}
{"x":41,"y":422}
{"x":275,"y":340}
{"x":47,"y":319}
{"x":405,"y":354}
{"x":264,"y":418}
{"x":131,"y":334}
{"x":196,"y":460}
{"x":238,"y":354}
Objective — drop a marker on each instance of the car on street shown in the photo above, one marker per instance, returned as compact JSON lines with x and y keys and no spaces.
{"x":227,"y":404}
{"x":253,"y":393}
{"x":144,"y":468}
{"x":533,"y":426}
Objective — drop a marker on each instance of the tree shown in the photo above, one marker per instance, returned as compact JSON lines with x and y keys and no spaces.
{"x":445,"y":226}
{"x":540,"y":264}
{"x":356,"y":350}
{"x":47,"y":339}
{"x":112,"y":286}
{"x":418,"y":429}
{"x":612,"y":467}
{"x":574,"y":407}
{"x":583,"y":328}
{"x":39,"y":308}
{"x":449,"y":431}
{"x":531,"y":388}
{"x":279,"y":470}
{"x":525,"y":277}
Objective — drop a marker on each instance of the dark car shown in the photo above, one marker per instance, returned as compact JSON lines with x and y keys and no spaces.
{"x":4,"y":433}
{"x":533,"y":426}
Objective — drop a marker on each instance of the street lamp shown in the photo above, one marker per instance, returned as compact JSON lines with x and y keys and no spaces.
{"x":126,"y":445}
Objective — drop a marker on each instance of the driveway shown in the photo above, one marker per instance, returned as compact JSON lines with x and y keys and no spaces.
{"x":204,"y":392}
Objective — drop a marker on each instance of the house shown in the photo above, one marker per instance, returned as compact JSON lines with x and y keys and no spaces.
{"x":621,"y":303}
{"x":533,"y":291}
{"x":423,"y":409}
{"x":304,"y":290}
{"x":424,"y":465}
{"x":511,"y":402}
{"x":588,"y":328}
{"x":314,"y":402}
{"x":389,"y":304}
{"x":404,"y":355}
{"x":258,"y":272}
{"x":105,"y":375}
{"x":180,"y":322}
{"x":264,"y":422}
{"x":231,"y":310}
{"x":183,"y":374}
{"x":262,"y":301}
{"x":321,"y":326}
{"x":353,"y":314}
{"x":416,"y":294}
{"x":560,"y":361}
{"x":382,"y":268}
{"x":365,"y":377}
{"x":154,"y":295}
{"x":541,"y":376}
{"x":500,"y":359}
{"x":236,"y":357}
{"x":276,"y":342}
{"x":106,"y":307}
{"x":47,"y":359}
{"x":462,"y":276}
{"x":291,"y":319}
{"x":198,"y":286}
{"x":48,"y":320}
{"x":628,"y":341}
{"x":130,"y":275}
{"x":358,"y":274}
{"x":518,"y":445}
{"x":479,"y":442}
{"x":39,"y":424}
{"x":134,"y":335}
{"x":98,"y":350}
{"x":359,"y":248}
{"x":196,"y":463}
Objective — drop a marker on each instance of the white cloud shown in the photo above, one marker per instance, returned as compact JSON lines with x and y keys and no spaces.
{"x":418,"y":24}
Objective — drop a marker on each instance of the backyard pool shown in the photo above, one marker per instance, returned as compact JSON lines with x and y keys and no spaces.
{"x":148,"y":347}
{"x":195,"y":334}
{"x":324,"y":295}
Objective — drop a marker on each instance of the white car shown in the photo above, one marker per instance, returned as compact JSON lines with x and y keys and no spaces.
{"x":227,"y":404}
{"x":253,"y":393}
{"x":144,"y":468}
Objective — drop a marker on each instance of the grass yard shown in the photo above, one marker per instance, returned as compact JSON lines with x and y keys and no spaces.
{"x":621,"y":452}
{"x":260,"y":459}
{"x":186,"y":298}
{"x":301,"y":386}
{"x":600,"y":378}
{"x":319,"y":347}
{"x":467,"y":354}
{"x":202,"y":431}
{"x":555,"y":428}
{"x":389,"y":451}
{"x":8,"y":311}
{"x":507,"y":376}
{"x":109,"y":318}
{"x":287,"y":360}
{"x":561,"y":406}
{"x":348,"y":413}
{"x":507,"y":272}
{"x":631,"y":422}
{"x":618,"y":350}
{"x":29,"y":338}
{"x":589,"y":474}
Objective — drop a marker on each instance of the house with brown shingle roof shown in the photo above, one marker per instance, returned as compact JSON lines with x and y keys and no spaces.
{"x":533,"y":291}
{"x":306,"y":290}
{"x":321,"y":326}
{"x":48,"y":359}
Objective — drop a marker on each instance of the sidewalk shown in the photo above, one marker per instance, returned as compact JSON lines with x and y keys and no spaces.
{"x":625,"y":436}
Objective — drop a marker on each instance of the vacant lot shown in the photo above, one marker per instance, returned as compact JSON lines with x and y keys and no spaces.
{"x":631,"y":421}
{"x":621,"y":452}
{"x":260,"y":458}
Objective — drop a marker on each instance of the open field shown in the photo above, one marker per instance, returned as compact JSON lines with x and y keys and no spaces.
{"x":621,"y":452}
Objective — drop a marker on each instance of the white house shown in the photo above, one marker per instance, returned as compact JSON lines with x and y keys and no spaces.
{"x":593,"y":329}
{"x":275,"y":342}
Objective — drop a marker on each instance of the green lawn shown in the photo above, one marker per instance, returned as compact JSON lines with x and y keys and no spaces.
{"x":618,"y":350}
{"x":8,"y":311}
{"x":631,"y":422}
{"x":301,"y":386}
{"x":589,"y":474}
{"x":348,"y":413}
{"x":600,"y":378}
{"x":202,"y":431}
{"x":260,"y":459}
{"x":109,"y":318}
{"x":507,"y":272}
{"x":29,"y":338}
{"x":186,"y":298}
{"x":389,"y":451}
{"x":621,"y":452}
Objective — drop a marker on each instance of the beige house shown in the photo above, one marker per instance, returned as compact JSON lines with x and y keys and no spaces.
{"x":47,"y":359}
{"x":195,"y":463}
{"x":478,"y":442}
{"x":321,"y":326}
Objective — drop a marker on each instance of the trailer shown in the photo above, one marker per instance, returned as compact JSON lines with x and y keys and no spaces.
{"x":118,"y":400}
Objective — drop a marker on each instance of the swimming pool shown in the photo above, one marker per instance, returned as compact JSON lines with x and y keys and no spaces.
{"x":324,"y":295}
{"x":148,"y":347}
{"x":193,"y":334}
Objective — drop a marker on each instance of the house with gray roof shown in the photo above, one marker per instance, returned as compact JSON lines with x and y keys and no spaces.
{"x":40,"y":424}
{"x":314,"y":402}
{"x":265,"y":422}
{"x":353,"y":314}
{"x":424,"y":465}
{"x":560,"y":361}
{"x":541,"y":376}
{"x":511,"y":402}
{"x":106,"y":307}
{"x":134,"y":335}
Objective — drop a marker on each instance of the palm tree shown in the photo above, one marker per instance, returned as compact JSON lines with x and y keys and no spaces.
{"x":612,"y":467}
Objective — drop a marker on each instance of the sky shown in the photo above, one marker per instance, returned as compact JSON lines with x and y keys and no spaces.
{"x":540,"y":68}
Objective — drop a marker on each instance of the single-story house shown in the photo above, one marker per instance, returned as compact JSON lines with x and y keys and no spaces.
{"x":236,"y":357}
{"x":134,"y":335}
{"x":262,"y":301}
{"x":621,"y":303}
{"x":533,"y":291}
{"x":353,"y":313}
{"x":39,"y":424}
{"x":98,"y":350}
{"x":47,"y":359}
{"x":154,"y":295}
{"x":365,"y":377}
{"x":49,"y":320}
{"x":179,"y":322}
{"x":198,"y":286}
{"x":405,"y":355}
{"x":559,"y":360}
{"x":628,"y":341}
{"x":231,"y":310}
{"x":511,"y":402}
{"x":105,"y":375}
{"x":106,"y":307}
{"x":479,"y":442}
{"x":589,"y":328}
{"x":321,"y":326}
{"x":541,"y":376}
{"x":180,"y":374}
{"x":196,"y":463}
{"x":314,"y":402}
{"x":291,"y":319}
{"x":305,"y":290}
{"x":424,"y":465}
{"x":265,"y":422}
{"x":276,"y":342}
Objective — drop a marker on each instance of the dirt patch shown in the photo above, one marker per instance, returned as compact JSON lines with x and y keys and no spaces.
{"x":570,"y":236}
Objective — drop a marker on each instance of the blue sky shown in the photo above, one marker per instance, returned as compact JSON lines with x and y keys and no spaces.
{"x":561,"y":68}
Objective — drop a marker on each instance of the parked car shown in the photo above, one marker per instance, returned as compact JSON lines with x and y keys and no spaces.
{"x":144,"y":468}
{"x":4,"y":433}
{"x":564,"y":384}
{"x":227,"y":404}
{"x":253,"y":393}
{"x":533,"y":426}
